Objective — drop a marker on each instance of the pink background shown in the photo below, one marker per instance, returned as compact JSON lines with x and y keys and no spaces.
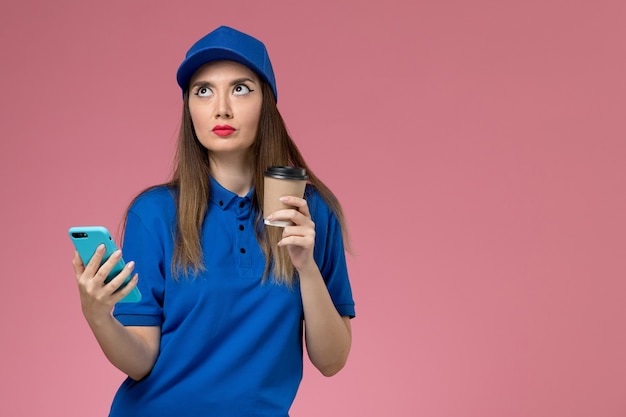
{"x":479,"y":148}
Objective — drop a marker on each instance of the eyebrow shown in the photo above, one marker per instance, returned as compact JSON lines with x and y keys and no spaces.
{"x":237,"y":81}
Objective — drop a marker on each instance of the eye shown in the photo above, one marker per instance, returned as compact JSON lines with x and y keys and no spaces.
{"x":241,"y":89}
{"x":204,"y":92}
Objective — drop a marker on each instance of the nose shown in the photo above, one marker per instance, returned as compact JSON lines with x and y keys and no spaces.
{"x":223,"y":108}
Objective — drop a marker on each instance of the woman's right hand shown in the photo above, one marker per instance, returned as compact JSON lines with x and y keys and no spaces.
{"x":97,"y":298}
{"x":133,"y":349}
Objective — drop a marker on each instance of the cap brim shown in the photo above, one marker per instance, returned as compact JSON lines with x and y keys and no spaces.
{"x":189,"y":67}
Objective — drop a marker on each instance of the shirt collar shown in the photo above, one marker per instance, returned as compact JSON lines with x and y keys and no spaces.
{"x":222,"y":197}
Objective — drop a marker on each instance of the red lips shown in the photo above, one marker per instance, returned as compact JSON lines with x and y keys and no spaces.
{"x":223,"y":130}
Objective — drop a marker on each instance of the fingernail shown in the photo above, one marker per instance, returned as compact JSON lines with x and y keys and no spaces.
{"x":100,"y":248}
{"x":130,"y":265}
{"x":283,"y":199}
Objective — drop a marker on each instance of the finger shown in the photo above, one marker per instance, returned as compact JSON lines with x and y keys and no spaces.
{"x":108,"y":266}
{"x":307,"y":230}
{"x":292,"y":215}
{"x":295,"y":240}
{"x":78,"y":265}
{"x":118,"y":281}
{"x":132,"y":283}
{"x":95,"y":261}
{"x":299,"y":203}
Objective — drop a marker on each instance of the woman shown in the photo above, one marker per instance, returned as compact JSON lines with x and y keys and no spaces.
{"x":226,"y":299}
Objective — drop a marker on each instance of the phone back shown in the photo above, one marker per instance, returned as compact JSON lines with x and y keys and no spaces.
{"x":86,"y":240}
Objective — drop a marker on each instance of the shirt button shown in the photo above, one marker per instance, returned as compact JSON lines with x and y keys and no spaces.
{"x":221,"y":203}
{"x":241,"y":227}
{"x":242,"y":204}
{"x":242,"y":250}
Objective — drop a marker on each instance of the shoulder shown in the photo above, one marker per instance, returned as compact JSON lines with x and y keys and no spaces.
{"x":316,"y":203}
{"x":151,"y":214}
{"x":329,"y":250}
{"x":321,"y":213}
{"x":154,"y":201}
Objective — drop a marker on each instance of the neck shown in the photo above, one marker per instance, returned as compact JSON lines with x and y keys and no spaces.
{"x":235,"y":173}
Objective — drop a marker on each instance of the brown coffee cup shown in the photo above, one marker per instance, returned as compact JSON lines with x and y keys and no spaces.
{"x":281,"y":181}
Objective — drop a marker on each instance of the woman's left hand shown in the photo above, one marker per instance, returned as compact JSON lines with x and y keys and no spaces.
{"x":300,"y":237}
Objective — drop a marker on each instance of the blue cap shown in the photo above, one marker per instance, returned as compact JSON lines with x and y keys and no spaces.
{"x":226,"y":43}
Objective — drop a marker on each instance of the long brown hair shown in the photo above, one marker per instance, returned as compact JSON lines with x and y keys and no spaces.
{"x":190,"y":180}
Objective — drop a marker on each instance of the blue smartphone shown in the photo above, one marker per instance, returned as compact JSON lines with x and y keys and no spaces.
{"x":86,"y":240}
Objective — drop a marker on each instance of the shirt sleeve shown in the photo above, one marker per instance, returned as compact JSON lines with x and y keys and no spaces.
{"x":142,"y":247}
{"x":330,"y":256}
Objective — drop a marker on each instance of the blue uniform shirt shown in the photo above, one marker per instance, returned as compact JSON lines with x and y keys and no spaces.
{"x":231,"y":345}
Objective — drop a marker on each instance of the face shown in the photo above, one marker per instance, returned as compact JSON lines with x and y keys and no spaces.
{"x":225,"y":105}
